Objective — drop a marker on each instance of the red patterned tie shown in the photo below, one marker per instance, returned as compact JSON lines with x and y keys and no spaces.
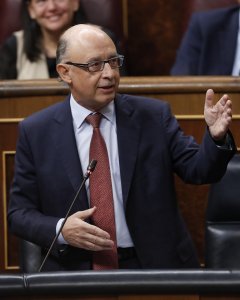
{"x":101,"y":196}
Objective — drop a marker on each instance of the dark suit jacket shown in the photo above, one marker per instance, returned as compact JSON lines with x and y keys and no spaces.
{"x":151,"y":147}
{"x":209,"y":44}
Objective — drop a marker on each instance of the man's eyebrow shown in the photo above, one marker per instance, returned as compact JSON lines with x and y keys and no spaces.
{"x":100,"y":59}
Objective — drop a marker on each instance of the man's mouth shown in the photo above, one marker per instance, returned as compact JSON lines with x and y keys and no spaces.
{"x":106,"y":87}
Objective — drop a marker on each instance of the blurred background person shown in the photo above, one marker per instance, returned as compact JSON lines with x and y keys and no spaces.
{"x":31,"y":52}
{"x":211,"y":44}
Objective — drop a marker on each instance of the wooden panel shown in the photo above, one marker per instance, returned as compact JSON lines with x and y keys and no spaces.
{"x":9,"y":243}
{"x":186,"y":95}
{"x":155,"y":29}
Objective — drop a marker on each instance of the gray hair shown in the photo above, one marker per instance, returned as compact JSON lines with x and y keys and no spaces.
{"x":61,"y":50}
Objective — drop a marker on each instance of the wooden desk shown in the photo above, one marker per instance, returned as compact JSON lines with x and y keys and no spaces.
{"x":186,"y":95}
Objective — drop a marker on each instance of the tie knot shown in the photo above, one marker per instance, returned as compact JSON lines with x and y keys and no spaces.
{"x":94,"y":119}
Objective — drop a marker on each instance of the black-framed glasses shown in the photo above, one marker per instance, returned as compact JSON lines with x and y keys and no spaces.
{"x":98,"y":65}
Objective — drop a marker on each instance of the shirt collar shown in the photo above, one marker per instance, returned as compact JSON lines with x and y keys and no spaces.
{"x":79,"y":113}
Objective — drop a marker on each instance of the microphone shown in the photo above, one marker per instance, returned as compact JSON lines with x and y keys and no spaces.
{"x":90,"y":169}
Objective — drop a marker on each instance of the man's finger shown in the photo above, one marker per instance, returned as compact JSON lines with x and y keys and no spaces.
{"x":209,"y":100}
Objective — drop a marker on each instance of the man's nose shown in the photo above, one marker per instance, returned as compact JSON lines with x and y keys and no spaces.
{"x":107,"y":70}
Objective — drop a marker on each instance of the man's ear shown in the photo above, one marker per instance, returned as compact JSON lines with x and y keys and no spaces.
{"x":63,"y":72}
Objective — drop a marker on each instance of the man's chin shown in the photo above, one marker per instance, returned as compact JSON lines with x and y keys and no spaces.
{"x":106,"y":98}
{"x":103,"y":101}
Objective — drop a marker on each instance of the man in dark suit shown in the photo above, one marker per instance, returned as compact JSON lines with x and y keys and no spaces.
{"x":145,"y":147}
{"x":210,"y":45}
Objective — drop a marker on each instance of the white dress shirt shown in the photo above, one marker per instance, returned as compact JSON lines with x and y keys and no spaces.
{"x":83,"y":134}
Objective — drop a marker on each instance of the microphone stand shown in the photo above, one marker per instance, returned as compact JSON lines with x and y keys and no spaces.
{"x":90,"y":169}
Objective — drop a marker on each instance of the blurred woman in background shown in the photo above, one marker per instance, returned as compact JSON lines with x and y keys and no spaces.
{"x":31,"y":53}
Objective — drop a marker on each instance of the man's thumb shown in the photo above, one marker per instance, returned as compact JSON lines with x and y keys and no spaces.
{"x":209,"y":98}
{"x":84,"y":214}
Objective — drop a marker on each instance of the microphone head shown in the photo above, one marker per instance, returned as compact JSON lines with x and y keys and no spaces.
{"x":92,"y":165}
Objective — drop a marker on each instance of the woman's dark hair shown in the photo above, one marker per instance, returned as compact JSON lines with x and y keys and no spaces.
{"x":32,"y":32}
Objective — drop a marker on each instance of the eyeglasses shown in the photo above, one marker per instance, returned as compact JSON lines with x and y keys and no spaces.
{"x":98,"y":65}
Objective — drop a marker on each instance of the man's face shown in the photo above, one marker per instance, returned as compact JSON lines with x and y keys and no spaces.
{"x":92,"y":90}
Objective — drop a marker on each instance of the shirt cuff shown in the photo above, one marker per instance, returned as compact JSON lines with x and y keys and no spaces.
{"x":225,"y":144}
{"x":60,"y":239}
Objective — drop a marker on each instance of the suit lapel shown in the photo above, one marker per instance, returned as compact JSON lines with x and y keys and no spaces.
{"x":66,"y":148}
{"x":128,"y":130}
